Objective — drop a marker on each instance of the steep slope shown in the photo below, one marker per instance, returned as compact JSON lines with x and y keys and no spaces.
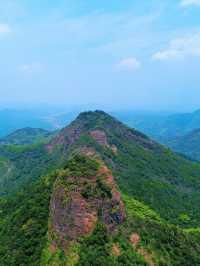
{"x":188,"y":145}
{"x":21,"y":165}
{"x":24,"y":223}
{"x":27,"y":136}
{"x":88,"y":223}
{"x":143,"y":168}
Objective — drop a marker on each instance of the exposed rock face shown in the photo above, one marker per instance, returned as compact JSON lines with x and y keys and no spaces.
{"x":71,"y":215}
{"x":134,"y":239}
{"x":78,"y":203}
{"x":100,"y":137}
{"x":66,"y":137}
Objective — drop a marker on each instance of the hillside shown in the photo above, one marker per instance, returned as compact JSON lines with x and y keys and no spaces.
{"x":143,"y":168}
{"x":162,"y":126}
{"x":88,"y":223}
{"x":27,"y":136}
{"x":99,"y":193}
{"x":188,"y":144}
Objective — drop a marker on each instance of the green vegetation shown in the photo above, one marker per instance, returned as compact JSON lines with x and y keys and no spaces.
{"x":189,"y":144}
{"x":162,"y":126}
{"x":160,"y":191}
{"x":167,"y":244}
{"x":96,"y":250}
{"x":23,"y":224}
{"x":140,"y":210}
{"x":82,"y":166}
{"x":166,"y":182}
{"x":27,"y":136}
{"x":24,"y":164}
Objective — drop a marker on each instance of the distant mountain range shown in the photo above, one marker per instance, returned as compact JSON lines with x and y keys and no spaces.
{"x":180,"y":132}
{"x":162,"y":126}
{"x":98,"y":193}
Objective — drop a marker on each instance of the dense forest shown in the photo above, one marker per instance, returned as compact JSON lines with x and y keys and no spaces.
{"x":98,"y":193}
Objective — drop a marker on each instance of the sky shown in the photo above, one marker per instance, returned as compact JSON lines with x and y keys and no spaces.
{"x":132,"y":54}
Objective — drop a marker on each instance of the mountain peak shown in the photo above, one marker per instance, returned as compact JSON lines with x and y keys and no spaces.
{"x":102,"y":128}
{"x":93,"y":113}
{"x":95,"y":116}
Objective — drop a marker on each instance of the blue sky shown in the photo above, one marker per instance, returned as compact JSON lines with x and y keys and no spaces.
{"x":113,"y":54}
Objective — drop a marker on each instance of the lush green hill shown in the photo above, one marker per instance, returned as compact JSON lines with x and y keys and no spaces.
{"x":141,"y":237}
{"x":27,"y":136}
{"x":115,"y":197}
{"x":188,"y":144}
{"x":23,"y":165}
{"x":143,"y":168}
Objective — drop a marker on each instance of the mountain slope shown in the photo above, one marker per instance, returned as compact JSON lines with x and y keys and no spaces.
{"x":162,"y":126}
{"x":118,"y":233}
{"x":115,"y":197}
{"x":188,"y":145}
{"x":143,"y":168}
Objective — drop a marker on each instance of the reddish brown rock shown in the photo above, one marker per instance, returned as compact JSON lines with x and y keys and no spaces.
{"x":147,"y":256}
{"x":100,"y":137}
{"x":67,"y":136}
{"x":116,"y":250}
{"x":134,"y":239}
{"x":73,"y":214}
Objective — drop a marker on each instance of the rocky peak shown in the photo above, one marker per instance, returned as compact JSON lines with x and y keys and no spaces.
{"x":103,"y":128}
{"x":84,"y":194}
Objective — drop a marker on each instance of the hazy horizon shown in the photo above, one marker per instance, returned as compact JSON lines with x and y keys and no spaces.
{"x":67,"y":108}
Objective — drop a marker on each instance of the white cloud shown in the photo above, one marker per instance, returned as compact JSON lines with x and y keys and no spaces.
{"x":5,"y":28}
{"x":186,"y":3}
{"x":130,"y":63}
{"x":180,"y":48}
{"x":31,"y":68}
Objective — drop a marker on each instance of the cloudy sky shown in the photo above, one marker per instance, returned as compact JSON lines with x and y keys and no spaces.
{"x":132,"y":54}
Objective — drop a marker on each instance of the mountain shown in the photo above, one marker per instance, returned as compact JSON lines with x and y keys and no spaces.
{"x":162,"y":126}
{"x":47,"y":117}
{"x":99,"y":193}
{"x":188,"y":144}
{"x":27,"y":136}
{"x":12,"y":120}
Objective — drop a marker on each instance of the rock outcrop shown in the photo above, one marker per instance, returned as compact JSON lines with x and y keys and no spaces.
{"x":80,"y":201}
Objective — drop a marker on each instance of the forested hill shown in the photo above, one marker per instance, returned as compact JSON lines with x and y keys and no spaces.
{"x":98,"y":193}
{"x":27,"y":136}
{"x":188,"y":144}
